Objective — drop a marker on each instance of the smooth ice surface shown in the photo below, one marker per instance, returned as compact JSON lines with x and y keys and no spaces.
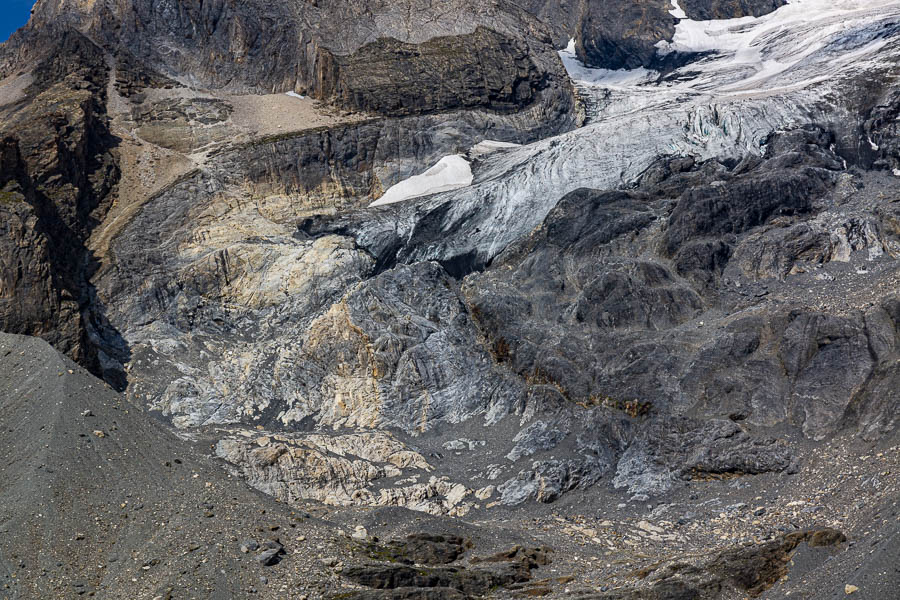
{"x":450,"y":173}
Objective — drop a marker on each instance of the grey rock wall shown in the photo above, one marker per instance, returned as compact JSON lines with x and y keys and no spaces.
{"x":363,"y":56}
{"x":704,"y":10}
{"x":57,"y":179}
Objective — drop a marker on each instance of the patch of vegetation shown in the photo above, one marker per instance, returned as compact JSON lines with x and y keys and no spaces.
{"x":633,"y":408}
{"x":11,"y":195}
{"x":378,"y":552}
{"x":540,"y":376}
{"x":501,"y":350}
{"x":700,"y":474}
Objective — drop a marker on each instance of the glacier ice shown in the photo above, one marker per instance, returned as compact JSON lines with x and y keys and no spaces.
{"x":762,"y":75}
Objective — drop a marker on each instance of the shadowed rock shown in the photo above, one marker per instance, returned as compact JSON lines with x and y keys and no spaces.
{"x":750,"y":569}
{"x":58,"y":178}
{"x":419,"y":549}
{"x":705,"y":10}
{"x":498,"y":571}
{"x":483,"y":69}
{"x":623,"y":35}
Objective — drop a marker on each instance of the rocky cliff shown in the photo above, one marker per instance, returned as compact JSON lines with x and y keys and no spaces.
{"x":704,"y":10}
{"x":623,"y":35}
{"x":358,"y":54}
{"x":58,"y":176}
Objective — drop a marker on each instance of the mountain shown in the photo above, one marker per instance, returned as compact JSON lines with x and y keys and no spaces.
{"x":578,"y":299}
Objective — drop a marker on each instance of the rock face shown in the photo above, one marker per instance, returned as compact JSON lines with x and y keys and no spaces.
{"x":482,"y":69}
{"x":560,"y":16}
{"x":182,"y":124}
{"x":608,"y":303}
{"x":510,"y":569}
{"x":388,"y":386}
{"x":582,"y":258}
{"x":799,"y":170}
{"x":750,"y":570}
{"x":74,"y":62}
{"x":882,"y":129}
{"x":365,"y":469}
{"x":363,"y":56}
{"x":419,"y":549}
{"x":623,"y":35}
{"x":57,"y":179}
{"x":704,"y":10}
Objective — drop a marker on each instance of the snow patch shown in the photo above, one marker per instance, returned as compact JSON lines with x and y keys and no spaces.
{"x":293,"y":94}
{"x":677,"y":12}
{"x":602,"y":77}
{"x":705,"y":36}
{"x":450,"y":173}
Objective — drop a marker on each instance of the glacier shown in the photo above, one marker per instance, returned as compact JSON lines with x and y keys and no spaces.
{"x":753,"y":76}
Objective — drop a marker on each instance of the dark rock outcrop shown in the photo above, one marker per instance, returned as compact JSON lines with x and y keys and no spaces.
{"x":623,"y":35}
{"x":883,"y":131}
{"x":653,"y":303}
{"x":705,"y":10}
{"x":133,"y":77}
{"x":547,"y":480}
{"x":799,"y":172}
{"x":592,"y":265}
{"x":498,"y":571}
{"x":405,"y":594}
{"x":626,"y":35}
{"x":560,"y":16}
{"x":687,"y":449}
{"x":58,"y":174}
{"x":751,"y":569}
{"x":419,"y":549}
{"x":480,"y":70}
{"x":471,"y":581}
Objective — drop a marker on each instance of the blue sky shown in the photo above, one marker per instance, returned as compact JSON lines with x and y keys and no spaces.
{"x":13,"y":14}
